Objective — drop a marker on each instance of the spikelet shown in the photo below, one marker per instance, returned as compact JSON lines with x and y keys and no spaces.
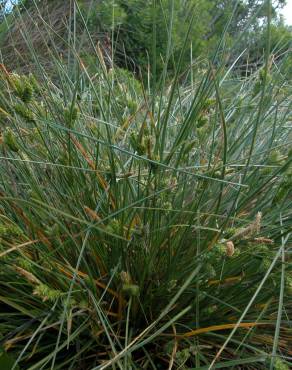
{"x":262,"y":240}
{"x":125,"y":277}
{"x":25,"y":263}
{"x":10,"y":231}
{"x":27,"y":275}
{"x":10,"y":140}
{"x":46,"y":293}
{"x":22,"y":87}
{"x":131,"y":290}
{"x":24,"y":112}
{"x":229,"y":248}
{"x":251,"y":230}
{"x":257,"y":224}
{"x":202,"y":121}
{"x":53,"y":231}
{"x":280,"y":365}
{"x":128,"y":288}
{"x":92,"y":214}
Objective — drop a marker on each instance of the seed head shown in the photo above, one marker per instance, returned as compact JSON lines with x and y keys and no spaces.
{"x":229,"y":248}
{"x":125,"y":277}
{"x":131,"y":290}
{"x":10,"y":140}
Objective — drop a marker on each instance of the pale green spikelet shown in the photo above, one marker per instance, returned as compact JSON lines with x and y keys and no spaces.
{"x":132,"y":106}
{"x":131,"y":290}
{"x":202,"y":121}
{"x":280,"y":365}
{"x":24,"y":112}
{"x":34,"y":83}
{"x":9,"y":139}
{"x":228,"y":233}
{"x":25,"y":263}
{"x":219,"y":250}
{"x":208,"y":103}
{"x":275,"y":157}
{"x":261,"y":248}
{"x":209,"y":310}
{"x":10,"y":231}
{"x":22,"y":88}
{"x":189,"y":145}
{"x":46,"y":293}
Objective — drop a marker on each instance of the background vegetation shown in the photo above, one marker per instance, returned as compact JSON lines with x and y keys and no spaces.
{"x":134,"y":34}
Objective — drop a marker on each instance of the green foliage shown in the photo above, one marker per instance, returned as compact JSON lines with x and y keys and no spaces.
{"x":153,"y":32}
{"x":139,"y":34}
{"x":133,"y":31}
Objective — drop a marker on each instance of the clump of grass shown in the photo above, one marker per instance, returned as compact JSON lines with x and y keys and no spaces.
{"x":144,"y":231}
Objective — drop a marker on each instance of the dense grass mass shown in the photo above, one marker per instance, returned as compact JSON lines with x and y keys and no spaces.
{"x":145,"y":226}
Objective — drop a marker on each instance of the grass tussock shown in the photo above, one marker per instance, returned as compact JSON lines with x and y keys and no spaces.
{"x":145,"y":230}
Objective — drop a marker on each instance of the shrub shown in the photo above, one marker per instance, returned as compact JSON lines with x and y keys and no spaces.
{"x":132,"y":23}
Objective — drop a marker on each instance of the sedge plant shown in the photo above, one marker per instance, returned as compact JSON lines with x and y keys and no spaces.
{"x":145,"y":226}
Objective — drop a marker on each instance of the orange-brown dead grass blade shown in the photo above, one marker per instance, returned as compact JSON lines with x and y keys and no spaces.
{"x":212,"y":328}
